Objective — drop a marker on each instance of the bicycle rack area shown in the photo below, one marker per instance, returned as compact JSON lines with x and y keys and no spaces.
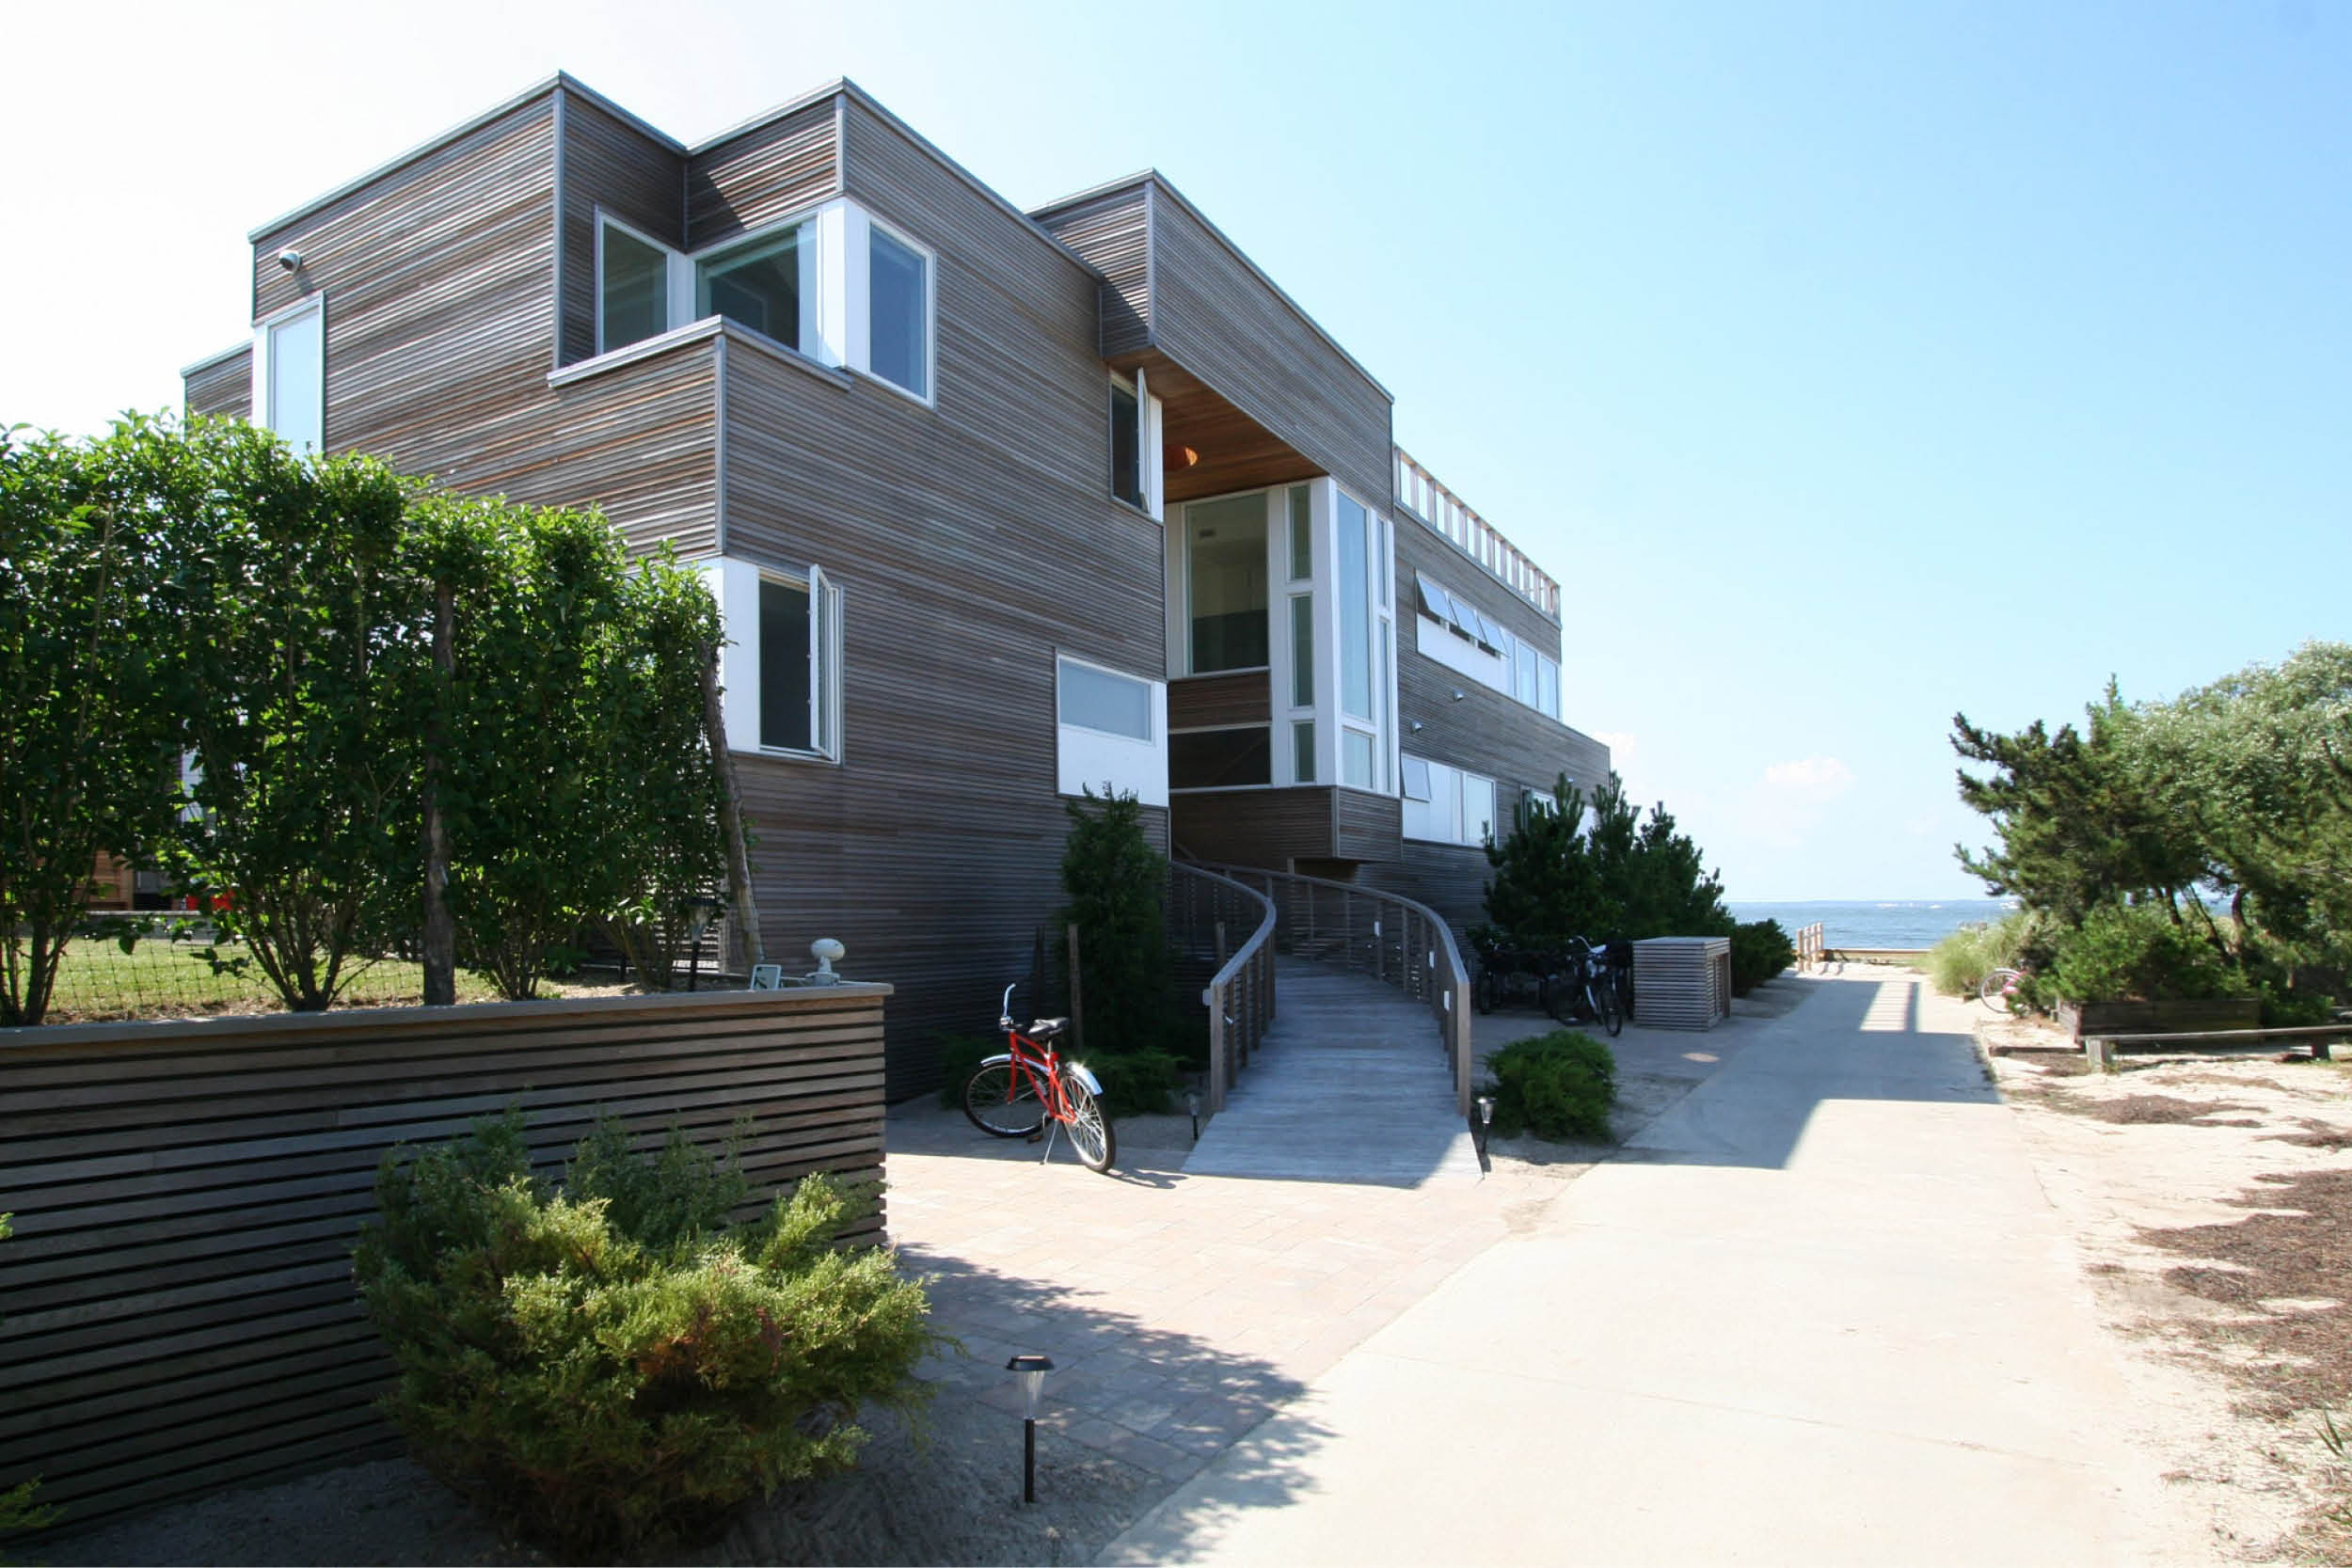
{"x":1385,"y":935}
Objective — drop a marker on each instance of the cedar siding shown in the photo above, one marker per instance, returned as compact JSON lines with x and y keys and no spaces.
{"x":971,"y":534}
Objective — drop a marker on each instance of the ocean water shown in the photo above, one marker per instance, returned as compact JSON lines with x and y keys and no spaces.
{"x":1878,"y":925}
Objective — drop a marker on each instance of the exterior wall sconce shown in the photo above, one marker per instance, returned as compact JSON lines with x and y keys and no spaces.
{"x":1416,"y":726}
{"x":824,"y":950}
{"x":1485,"y":1103}
{"x":1189,"y":455}
{"x":1457,"y":693}
{"x":290,"y":259}
{"x":1192,"y":1104}
{"x":1032,"y":1371}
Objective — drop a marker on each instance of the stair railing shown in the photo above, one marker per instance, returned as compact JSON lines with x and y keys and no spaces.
{"x":1208,"y":913}
{"x":1382,"y":934}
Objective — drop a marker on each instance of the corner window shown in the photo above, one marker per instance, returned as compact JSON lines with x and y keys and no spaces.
{"x":1355,"y":550}
{"x":1126,"y":444}
{"x":900,"y":312}
{"x":759,"y":284}
{"x":1302,"y":650}
{"x":1226,"y":572}
{"x":291,"y":369}
{"x":632,"y":287}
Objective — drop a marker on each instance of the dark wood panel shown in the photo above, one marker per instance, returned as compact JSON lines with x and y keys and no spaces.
{"x":222,"y":386}
{"x":1449,"y":878}
{"x":610,"y":164}
{"x":143,"y":1302}
{"x":1364,"y":826}
{"x":1255,"y":827}
{"x":1210,"y":702}
{"x":769,"y":172}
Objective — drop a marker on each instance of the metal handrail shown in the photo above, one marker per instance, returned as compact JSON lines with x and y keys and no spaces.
{"x":1419,"y":957}
{"x":1240,"y":995}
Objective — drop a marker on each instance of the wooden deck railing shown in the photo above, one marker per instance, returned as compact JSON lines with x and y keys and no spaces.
{"x":1447,"y":514}
{"x":1214,"y":914}
{"x":1382,"y":934}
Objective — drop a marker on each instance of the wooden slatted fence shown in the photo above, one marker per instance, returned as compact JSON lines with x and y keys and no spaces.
{"x":178,"y":1308}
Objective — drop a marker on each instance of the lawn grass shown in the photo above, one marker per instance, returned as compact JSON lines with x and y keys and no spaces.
{"x":163,"y":979}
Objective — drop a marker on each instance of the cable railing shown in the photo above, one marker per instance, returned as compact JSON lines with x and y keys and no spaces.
{"x":1382,"y":934}
{"x":1214,"y":916}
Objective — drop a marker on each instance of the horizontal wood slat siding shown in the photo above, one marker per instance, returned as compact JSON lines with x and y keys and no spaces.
{"x":440,"y":311}
{"x":1364,"y":826}
{"x":1255,"y":827}
{"x":1420,"y":549}
{"x":223,"y":388}
{"x":933,"y":850}
{"x":180,"y":1311}
{"x":1208,"y":701}
{"x":1215,"y":317}
{"x":612,"y":164}
{"x":1113,"y":233}
{"x":765,"y":174}
{"x":1449,"y":878}
{"x":1017,"y":365}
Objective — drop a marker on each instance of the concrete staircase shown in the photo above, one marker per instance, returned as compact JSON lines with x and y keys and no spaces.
{"x":1350,"y":1085}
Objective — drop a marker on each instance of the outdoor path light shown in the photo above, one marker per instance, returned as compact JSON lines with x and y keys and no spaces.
{"x":1032,"y":1371}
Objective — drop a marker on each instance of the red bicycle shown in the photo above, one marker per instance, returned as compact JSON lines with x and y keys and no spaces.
{"x":1015,"y":1094}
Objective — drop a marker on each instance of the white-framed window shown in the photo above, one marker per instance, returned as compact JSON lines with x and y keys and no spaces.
{"x":290,"y":375}
{"x":1111,"y":731}
{"x":782,"y":663}
{"x":636,"y":278}
{"x":1470,"y":642}
{"x":893,"y":328}
{"x":1444,"y":804}
{"x":768,"y":282}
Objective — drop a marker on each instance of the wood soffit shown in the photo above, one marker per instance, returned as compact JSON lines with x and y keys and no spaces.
{"x":1236,"y":452}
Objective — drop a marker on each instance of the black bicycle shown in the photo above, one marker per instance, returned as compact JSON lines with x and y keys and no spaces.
{"x":1585,"y":988}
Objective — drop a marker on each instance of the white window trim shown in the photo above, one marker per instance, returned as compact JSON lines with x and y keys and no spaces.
{"x":1087,"y":758}
{"x":674,"y":268}
{"x":860,"y":269}
{"x":735,"y":584}
{"x":1456,"y":788}
{"x":259,"y":393}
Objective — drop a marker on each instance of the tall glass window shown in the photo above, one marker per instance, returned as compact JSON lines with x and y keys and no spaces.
{"x":1303,"y":651}
{"x":1303,"y":751}
{"x":1302,"y":533}
{"x":785,"y":710}
{"x":757,"y":285}
{"x":1126,"y":445}
{"x":1355,"y":608}
{"x":633,"y":289}
{"x":900,"y":312}
{"x":1356,"y":759}
{"x":1225,"y":557}
{"x":297,"y":380}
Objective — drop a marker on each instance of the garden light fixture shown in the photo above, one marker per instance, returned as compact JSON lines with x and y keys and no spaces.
{"x":1192,"y":1104}
{"x":1032,"y":1371}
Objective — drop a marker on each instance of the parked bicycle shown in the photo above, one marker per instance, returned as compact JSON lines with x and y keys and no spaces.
{"x":1585,"y":988}
{"x":1015,"y":1094}
{"x":2003,"y":990}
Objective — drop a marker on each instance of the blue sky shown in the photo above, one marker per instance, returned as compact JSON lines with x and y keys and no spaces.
{"x":1850,"y":364}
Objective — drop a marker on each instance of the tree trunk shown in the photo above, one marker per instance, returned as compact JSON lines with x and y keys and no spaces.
{"x":441,"y":932}
{"x":740,"y":904}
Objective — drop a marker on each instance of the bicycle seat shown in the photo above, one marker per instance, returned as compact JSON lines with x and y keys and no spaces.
{"x":1046,"y":1028}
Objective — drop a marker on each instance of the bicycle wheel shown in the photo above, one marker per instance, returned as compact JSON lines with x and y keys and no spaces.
{"x":1997,"y":988}
{"x":1090,"y":1132}
{"x":1603,"y":997}
{"x":1002,"y":1102}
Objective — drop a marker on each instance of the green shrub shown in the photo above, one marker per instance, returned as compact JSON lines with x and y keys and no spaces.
{"x":1556,"y":1086}
{"x":1135,"y":1083}
{"x":615,"y":1364}
{"x":1957,"y":965}
{"x":1759,"y":950}
{"x":2135,"y":952}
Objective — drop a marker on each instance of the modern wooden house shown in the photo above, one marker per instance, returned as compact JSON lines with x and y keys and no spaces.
{"x":996,"y":504}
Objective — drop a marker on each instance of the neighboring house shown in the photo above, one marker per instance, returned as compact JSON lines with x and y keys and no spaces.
{"x":995,"y":505}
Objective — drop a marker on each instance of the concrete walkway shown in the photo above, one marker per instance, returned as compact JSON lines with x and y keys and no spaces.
{"x":1351,"y":1084}
{"x":1819,"y":1313}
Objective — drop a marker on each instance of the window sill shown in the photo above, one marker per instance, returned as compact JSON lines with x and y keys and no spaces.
{"x":779,"y":753}
{"x":696,"y":332}
{"x":1219,"y":674}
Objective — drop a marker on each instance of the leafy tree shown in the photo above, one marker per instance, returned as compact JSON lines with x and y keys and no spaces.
{"x":1116,"y":883}
{"x":92,"y":679}
{"x":1619,"y":875}
{"x":286,"y":588}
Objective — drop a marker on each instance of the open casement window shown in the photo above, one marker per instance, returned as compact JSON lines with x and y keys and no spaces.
{"x":290,"y":375}
{"x":1135,"y":431}
{"x":768,"y":283}
{"x":635,"y":278}
{"x":800,"y":666}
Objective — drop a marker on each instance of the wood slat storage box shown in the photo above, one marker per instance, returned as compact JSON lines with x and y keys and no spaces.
{"x":178,"y":1296}
{"x":1681,"y":982}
